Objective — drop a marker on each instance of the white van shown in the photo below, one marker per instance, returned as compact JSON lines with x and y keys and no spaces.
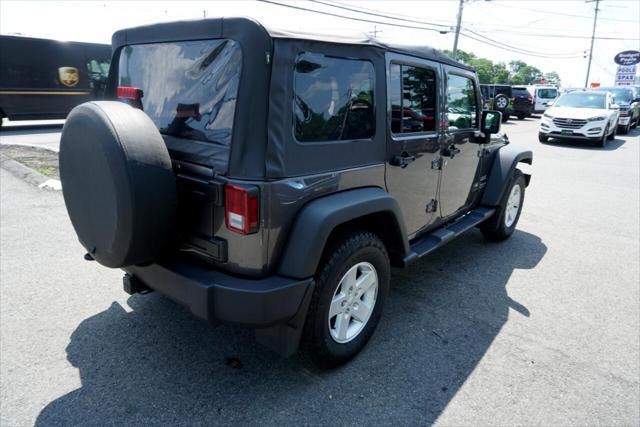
{"x":542,"y":96}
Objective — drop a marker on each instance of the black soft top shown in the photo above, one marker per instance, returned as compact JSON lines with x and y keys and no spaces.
{"x":266,"y":148}
{"x":228,"y":26}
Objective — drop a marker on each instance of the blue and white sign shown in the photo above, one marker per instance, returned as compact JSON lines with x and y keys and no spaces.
{"x":626,"y":75}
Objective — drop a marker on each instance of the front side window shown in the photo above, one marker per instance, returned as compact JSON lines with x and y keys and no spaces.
{"x":461,"y":102}
{"x":413,"y":99}
{"x":334,"y":98}
{"x":189,"y":88}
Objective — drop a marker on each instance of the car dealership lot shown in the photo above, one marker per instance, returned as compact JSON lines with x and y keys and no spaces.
{"x":540,"y":329}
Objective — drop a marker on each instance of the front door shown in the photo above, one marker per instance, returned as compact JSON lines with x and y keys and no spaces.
{"x":413,"y":93}
{"x":459,"y":151}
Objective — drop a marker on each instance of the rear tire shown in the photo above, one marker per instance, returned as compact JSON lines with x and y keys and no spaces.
{"x":521,"y":116}
{"x":340,"y":292}
{"x":503,"y":223}
{"x":542,"y":137}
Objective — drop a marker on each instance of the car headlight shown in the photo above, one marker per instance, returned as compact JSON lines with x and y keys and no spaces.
{"x":547,"y":115}
{"x":597,"y":119}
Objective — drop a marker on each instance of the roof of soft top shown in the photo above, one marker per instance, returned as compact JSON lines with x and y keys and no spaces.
{"x":215,"y":27}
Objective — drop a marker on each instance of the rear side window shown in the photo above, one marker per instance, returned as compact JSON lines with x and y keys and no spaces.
{"x":412,"y":91}
{"x":189,"y":88}
{"x":461,"y":102}
{"x":334,"y":98}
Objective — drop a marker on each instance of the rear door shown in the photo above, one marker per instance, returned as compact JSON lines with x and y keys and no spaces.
{"x":459,"y":151}
{"x":413,"y":96}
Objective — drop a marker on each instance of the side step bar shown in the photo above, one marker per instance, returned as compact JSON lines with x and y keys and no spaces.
{"x":438,"y":237}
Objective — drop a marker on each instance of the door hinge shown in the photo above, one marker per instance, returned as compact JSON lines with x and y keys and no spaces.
{"x":437,"y":163}
{"x":432,"y":206}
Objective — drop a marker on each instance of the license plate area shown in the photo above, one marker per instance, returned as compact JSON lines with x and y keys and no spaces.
{"x":567,"y":132}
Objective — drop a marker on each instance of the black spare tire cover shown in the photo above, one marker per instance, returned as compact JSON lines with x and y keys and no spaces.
{"x":117,"y":183}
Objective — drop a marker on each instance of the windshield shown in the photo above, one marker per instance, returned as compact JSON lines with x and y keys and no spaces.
{"x":621,"y":94}
{"x":582,"y":100}
{"x":547,"y":93}
{"x":189,"y":88}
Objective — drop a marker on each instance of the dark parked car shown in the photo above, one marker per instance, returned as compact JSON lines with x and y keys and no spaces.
{"x":499,"y":98}
{"x":265,"y":179}
{"x":44,"y":79}
{"x":522,"y":102}
{"x":629,"y":103}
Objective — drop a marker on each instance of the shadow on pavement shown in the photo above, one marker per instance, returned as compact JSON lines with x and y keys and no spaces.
{"x":584,"y":145}
{"x":158,"y":365}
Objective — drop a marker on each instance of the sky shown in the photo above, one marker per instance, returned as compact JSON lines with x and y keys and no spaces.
{"x":552,"y":35}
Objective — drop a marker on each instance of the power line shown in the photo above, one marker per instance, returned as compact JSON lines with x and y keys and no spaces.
{"x":548,"y":12}
{"x":352,"y":18}
{"x":406,"y":18}
{"x":377,"y":13}
{"x":507,"y":48}
{"x":551,"y":54}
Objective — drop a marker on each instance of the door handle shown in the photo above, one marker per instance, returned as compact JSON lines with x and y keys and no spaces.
{"x":403,"y":159}
{"x":451,"y":151}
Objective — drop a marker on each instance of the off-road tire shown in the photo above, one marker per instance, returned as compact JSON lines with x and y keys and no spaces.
{"x":495,"y":228}
{"x":317,"y":344}
{"x":542,"y":137}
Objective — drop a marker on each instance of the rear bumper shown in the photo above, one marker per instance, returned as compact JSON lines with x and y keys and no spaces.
{"x":219,"y":297}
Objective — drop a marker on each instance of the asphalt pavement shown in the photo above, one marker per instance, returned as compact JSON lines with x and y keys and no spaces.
{"x":542,"y":329}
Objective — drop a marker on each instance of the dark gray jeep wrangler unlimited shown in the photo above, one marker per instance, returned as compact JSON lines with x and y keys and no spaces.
{"x":271,"y":179}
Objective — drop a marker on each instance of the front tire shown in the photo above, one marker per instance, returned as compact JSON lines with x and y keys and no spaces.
{"x":352,"y":284}
{"x":603,"y":140}
{"x":503,"y":223}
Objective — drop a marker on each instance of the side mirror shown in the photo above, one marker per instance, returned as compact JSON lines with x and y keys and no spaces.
{"x":614,"y":107}
{"x":490,"y":122}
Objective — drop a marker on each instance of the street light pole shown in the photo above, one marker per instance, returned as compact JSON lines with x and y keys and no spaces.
{"x":593,"y":36}
{"x":455,"y":40}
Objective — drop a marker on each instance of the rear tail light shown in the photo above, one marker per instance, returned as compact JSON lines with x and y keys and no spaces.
{"x":530,"y":98}
{"x":242,"y":210}
{"x":129,"y":93}
{"x":513,"y":99}
{"x":131,"y":96}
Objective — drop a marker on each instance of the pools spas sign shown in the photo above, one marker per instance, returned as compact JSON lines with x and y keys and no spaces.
{"x":626,"y":75}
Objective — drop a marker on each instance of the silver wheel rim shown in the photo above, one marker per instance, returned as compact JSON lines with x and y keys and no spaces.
{"x":353,"y":302}
{"x":513,"y":206}
{"x":501,"y":103}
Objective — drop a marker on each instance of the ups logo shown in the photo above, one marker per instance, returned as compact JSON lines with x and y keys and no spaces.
{"x":68,"y":76}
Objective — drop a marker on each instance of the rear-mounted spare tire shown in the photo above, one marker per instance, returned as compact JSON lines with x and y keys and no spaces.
{"x":117,"y":182}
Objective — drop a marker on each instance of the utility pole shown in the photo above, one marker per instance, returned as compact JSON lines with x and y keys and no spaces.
{"x":593,"y":36}
{"x":459,"y":19}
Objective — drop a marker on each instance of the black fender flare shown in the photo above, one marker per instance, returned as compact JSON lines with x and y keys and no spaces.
{"x":318,"y":218}
{"x":505,"y":161}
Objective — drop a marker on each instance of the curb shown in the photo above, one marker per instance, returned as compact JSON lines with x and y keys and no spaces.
{"x":29,"y":175}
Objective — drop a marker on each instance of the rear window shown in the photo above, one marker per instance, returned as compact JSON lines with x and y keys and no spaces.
{"x":547,"y":93}
{"x":189,"y":88}
{"x":333,"y":98}
{"x":520,"y":91}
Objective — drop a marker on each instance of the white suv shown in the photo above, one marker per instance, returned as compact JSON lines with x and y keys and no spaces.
{"x":587,"y":116}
